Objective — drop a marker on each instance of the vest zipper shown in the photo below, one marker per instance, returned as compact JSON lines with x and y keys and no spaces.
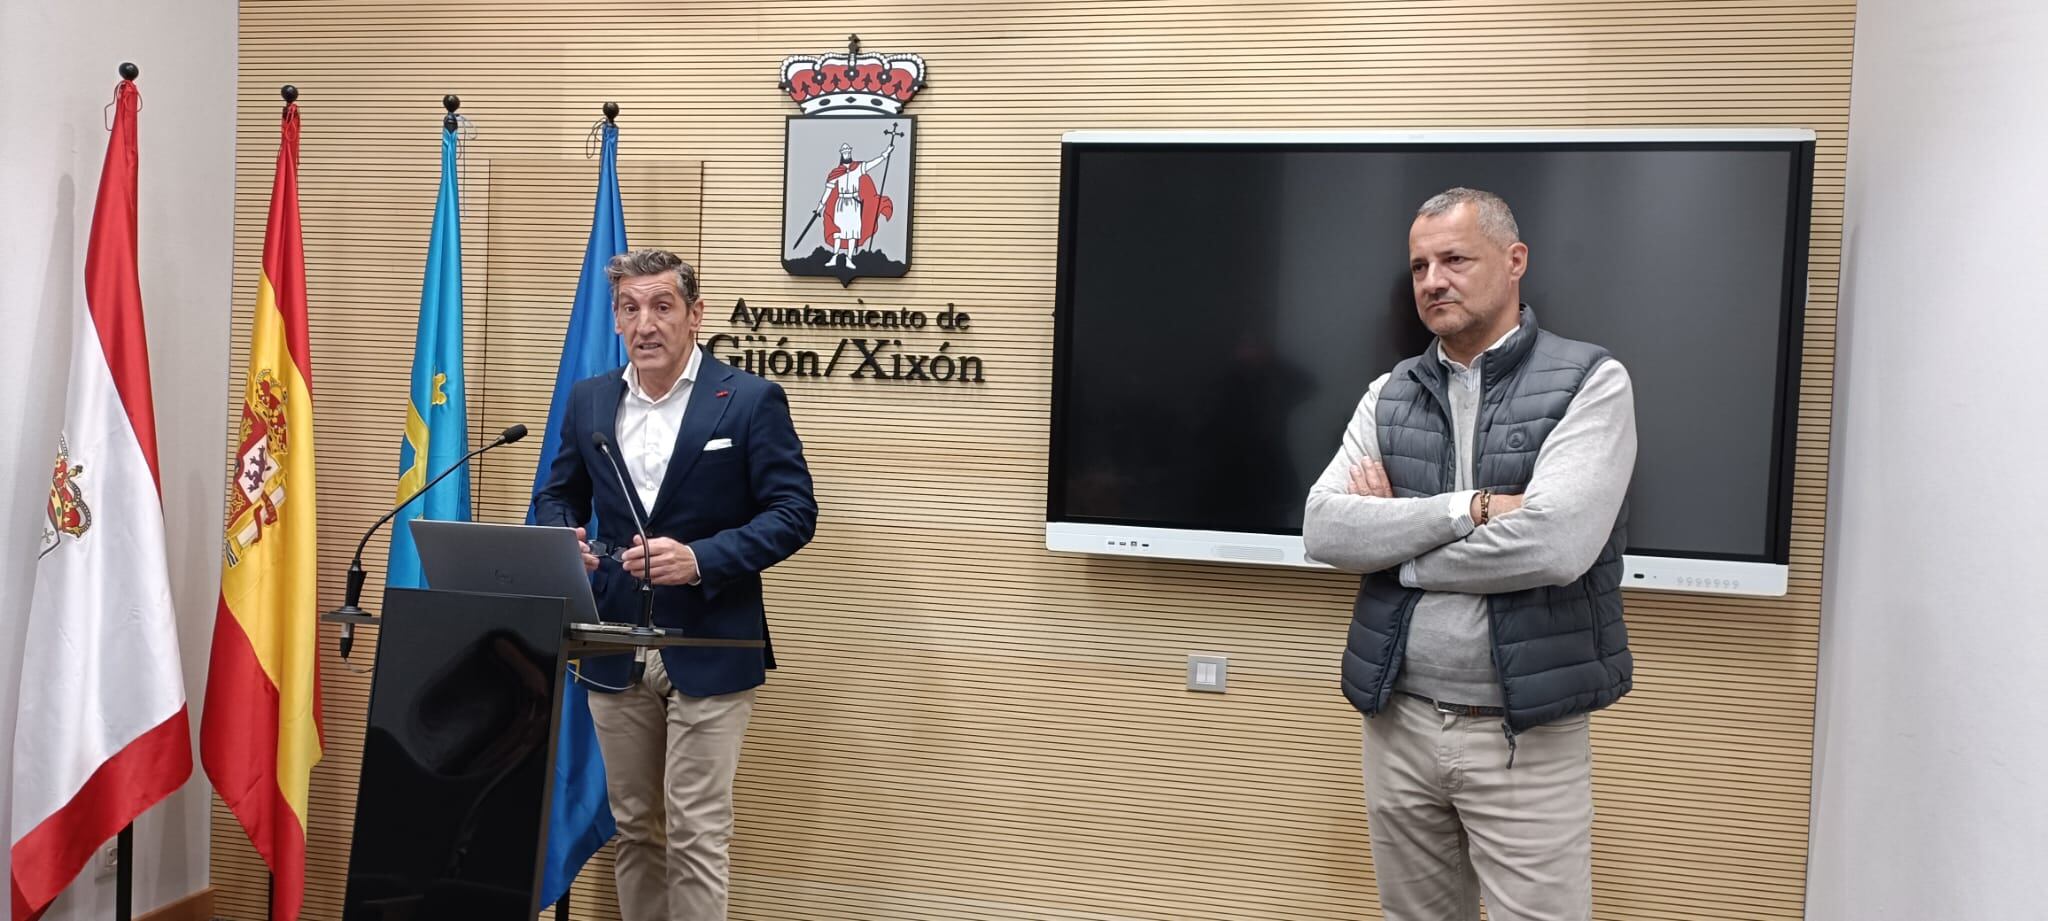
{"x":1481,"y":415}
{"x":1500,"y":674}
{"x":1380,"y":693}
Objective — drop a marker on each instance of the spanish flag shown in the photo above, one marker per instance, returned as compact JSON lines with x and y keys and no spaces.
{"x":260,"y":733}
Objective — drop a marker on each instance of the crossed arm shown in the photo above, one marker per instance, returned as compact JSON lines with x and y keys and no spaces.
{"x":1549,"y":535}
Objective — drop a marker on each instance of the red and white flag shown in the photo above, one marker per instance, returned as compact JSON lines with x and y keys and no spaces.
{"x":101,"y":734}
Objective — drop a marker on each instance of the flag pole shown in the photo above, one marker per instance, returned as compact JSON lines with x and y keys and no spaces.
{"x":124,"y":872}
{"x":290,"y":95}
{"x":124,"y":842}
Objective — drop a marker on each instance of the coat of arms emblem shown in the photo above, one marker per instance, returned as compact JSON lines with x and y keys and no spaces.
{"x":257,"y":486}
{"x":847,"y":165}
{"x":67,"y":515}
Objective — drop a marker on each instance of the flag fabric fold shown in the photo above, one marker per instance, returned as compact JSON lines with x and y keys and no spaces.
{"x":261,"y":735}
{"x":436,"y":411}
{"x":101,"y":732}
{"x":580,"y":819}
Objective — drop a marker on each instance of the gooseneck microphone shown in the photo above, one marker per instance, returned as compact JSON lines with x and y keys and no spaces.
{"x":354,"y":594}
{"x":646,"y":627}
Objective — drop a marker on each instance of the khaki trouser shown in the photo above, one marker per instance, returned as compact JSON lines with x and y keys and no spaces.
{"x":1449,"y":819}
{"x":669,"y":762}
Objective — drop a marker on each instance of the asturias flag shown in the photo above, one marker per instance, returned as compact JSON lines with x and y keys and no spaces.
{"x":436,"y":417}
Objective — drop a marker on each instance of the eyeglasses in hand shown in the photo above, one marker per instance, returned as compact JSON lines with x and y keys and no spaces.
{"x":602,"y":550}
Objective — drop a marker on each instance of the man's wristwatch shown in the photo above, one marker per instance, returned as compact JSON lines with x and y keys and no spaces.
{"x":1485,"y":503}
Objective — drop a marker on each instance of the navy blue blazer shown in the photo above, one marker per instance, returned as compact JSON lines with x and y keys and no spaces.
{"x":741,"y":509}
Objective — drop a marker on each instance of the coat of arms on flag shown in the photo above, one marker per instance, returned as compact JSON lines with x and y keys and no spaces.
{"x":847,"y":167}
{"x":258,"y":487}
{"x":67,"y":514}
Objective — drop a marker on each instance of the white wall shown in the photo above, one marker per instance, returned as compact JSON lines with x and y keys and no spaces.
{"x":57,"y":73}
{"x":1931,"y":773}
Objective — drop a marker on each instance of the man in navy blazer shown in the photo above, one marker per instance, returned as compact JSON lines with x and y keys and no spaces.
{"x":717,"y":473}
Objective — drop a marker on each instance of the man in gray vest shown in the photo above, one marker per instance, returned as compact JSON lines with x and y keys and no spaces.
{"x":1480,"y":487}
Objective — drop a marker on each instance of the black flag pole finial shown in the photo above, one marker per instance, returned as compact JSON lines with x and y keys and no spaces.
{"x":611,"y":112}
{"x":128,"y":74}
{"x":289,"y":92}
{"x":451,"y":102}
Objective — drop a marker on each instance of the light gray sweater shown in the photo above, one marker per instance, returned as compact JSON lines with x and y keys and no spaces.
{"x":1581,"y":477}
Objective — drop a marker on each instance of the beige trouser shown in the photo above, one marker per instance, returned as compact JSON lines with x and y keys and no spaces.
{"x":1449,"y":818}
{"x":669,"y":762}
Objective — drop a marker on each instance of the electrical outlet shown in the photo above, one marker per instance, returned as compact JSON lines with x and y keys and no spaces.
{"x":106,"y":861}
{"x":1208,"y":673}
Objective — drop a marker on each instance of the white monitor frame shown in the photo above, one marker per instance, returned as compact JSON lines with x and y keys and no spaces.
{"x":1652,"y":573}
{"x":1447,"y":136}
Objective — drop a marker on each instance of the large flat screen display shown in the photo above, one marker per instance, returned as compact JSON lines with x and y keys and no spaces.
{"x":1225,"y":299}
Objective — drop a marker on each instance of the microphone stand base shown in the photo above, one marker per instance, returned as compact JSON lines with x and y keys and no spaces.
{"x":348,"y":614}
{"x":647,"y":627}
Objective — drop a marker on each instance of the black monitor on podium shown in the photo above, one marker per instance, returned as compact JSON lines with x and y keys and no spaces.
{"x":505,"y":559}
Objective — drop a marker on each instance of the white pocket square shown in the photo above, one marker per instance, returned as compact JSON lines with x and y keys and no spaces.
{"x":718,"y":444}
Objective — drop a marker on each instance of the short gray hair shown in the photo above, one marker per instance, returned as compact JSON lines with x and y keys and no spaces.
{"x":640,"y":263}
{"x":1495,"y":220}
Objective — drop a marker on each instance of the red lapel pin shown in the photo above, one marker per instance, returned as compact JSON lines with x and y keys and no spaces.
{"x":722,"y":394}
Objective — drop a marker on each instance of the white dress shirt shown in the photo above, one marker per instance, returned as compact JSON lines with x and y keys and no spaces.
{"x":648,"y":427}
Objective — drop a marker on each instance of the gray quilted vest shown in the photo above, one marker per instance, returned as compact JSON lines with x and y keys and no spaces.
{"x":1559,"y":650}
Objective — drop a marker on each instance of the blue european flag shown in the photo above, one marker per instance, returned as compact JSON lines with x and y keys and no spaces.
{"x":580,"y":820}
{"x":436,"y":416}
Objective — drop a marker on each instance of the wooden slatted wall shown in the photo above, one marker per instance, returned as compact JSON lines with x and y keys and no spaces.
{"x":967,"y":726}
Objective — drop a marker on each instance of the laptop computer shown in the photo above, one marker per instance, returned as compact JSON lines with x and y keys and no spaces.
{"x":505,"y":559}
